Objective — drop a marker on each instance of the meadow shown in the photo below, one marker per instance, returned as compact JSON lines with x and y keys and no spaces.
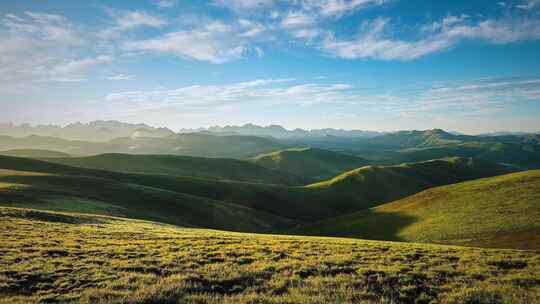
{"x":53,"y":257}
{"x":498,"y":212}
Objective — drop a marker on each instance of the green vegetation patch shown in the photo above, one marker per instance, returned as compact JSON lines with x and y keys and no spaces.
{"x":111,"y":260}
{"x":501,"y":211}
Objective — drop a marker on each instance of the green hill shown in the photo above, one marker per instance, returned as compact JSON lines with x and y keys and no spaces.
{"x":519,"y":151}
{"x":314,"y":163}
{"x":410,"y":139}
{"x":209,"y":168}
{"x":193,"y":144}
{"x":523,"y":156}
{"x":79,"y":258}
{"x":369,"y":186}
{"x":500,"y":211}
{"x":36,"y":184}
{"x":356,"y":190}
{"x":32,"y":153}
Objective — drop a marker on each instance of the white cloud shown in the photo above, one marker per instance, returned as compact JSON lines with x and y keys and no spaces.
{"x":38,"y":47}
{"x":129,"y":20}
{"x":120,"y":77}
{"x":487,"y":91}
{"x":241,"y":5}
{"x":297,"y":19}
{"x":42,"y":26}
{"x":72,"y":70}
{"x":133,"y":19}
{"x":335,"y":8}
{"x":375,"y":42}
{"x":216,"y":42}
{"x":264,"y":90}
{"x":529,"y":4}
{"x":251,"y":29}
{"x":166,"y":3}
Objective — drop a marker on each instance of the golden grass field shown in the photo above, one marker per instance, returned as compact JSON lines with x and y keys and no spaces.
{"x":59,"y":257}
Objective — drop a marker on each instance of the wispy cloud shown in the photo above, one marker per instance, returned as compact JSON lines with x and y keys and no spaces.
{"x":42,"y":26}
{"x":333,"y":8}
{"x":484,"y":92}
{"x":240,"y":5}
{"x":166,"y":3}
{"x":376,"y":40}
{"x":216,"y":42}
{"x":256,"y":91}
{"x":529,"y":4}
{"x":125,"y":20}
{"x":120,"y":77}
{"x":38,"y":47}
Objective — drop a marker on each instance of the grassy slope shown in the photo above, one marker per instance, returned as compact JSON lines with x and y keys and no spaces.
{"x":57,"y":187}
{"x":356,"y":190}
{"x":310,"y":162}
{"x":33,"y":153}
{"x":500,"y":211}
{"x":373,"y":185}
{"x":212,"y":168}
{"x":55,"y":257}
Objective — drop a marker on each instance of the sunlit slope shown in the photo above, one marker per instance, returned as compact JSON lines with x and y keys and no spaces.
{"x":314,"y":163}
{"x":374,"y":185}
{"x":77,"y":258}
{"x":501,"y":211}
{"x":356,"y":190}
{"x":210,"y":168}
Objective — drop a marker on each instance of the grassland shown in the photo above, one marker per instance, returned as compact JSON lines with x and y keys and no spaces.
{"x":208,"y":168}
{"x":56,"y":257}
{"x":501,"y":211}
{"x":314,"y":163}
{"x":195,"y":201}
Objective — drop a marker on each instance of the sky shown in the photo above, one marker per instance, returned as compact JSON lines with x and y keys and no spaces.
{"x":461,"y":65}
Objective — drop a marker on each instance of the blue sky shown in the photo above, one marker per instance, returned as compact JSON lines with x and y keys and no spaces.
{"x":469,"y":66}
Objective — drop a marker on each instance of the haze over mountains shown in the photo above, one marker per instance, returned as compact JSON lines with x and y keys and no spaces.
{"x":249,"y":141}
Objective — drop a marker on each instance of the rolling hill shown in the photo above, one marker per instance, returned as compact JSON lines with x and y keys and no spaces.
{"x":41,"y":185}
{"x":522,"y":156}
{"x":314,"y":163}
{"x":31,"y":153}
{"x":353,"y":191}
{"x":208,"y":168}
{"x":499,"y":211}
{"x":519,"y":151}
{"x":193,"y":144}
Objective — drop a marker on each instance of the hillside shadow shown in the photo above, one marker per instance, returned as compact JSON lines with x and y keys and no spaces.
{"x":366,"y":224}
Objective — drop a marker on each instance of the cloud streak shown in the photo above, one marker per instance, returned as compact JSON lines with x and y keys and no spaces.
{"x":375,"y":42}
{"x":256,"y":91}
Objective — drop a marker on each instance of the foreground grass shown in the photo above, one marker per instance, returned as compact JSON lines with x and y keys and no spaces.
{"x":58,"y":257}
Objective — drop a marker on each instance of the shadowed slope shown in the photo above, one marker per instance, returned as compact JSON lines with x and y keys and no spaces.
{"x":211,"y":168}
{"x":356,"y":190}
{"x":500,"y":211}
{"x":57,"y":187}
